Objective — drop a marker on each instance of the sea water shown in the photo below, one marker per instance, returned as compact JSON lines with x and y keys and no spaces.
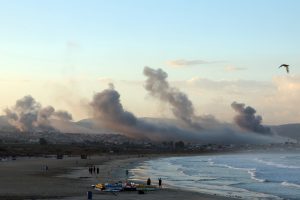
{"x":245,"y":176}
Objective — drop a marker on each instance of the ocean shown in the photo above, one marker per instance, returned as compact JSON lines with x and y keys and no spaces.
{"x":245,"y":176}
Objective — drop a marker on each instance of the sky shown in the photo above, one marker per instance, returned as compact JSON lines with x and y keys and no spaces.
{"x":217,"y":52}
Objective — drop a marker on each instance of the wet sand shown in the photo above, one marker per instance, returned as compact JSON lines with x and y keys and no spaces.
{"x":69,"y":178}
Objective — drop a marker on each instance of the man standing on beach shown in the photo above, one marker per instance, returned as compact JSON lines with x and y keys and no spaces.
{"x":127,"y":172}
{"x":159,"y":182}
{"x":148,"y":181}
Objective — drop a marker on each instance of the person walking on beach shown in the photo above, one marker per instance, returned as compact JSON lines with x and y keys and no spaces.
{"x":148,"y":181}
{"x":127,"y":172}
{"x":159,"y":182}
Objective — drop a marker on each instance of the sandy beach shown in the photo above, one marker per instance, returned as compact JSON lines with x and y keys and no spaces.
{"x":69,"y":178}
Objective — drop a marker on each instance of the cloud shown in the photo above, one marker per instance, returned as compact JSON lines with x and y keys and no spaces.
{"x":276,"y":99}
{"x":287,"y":84}
{"x":228,"y":85}
{"x":234,"y":69}
{"x":105,"y":80}
{"x":281,"y":104}
{"x":181,"y":63}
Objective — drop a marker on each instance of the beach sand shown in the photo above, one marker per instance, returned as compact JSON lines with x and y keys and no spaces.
{"x":69,"y":178}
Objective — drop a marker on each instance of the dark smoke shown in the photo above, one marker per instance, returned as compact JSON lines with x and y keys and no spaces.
{"x":108,"y":109}
{"x":63,"y":115}
{"x":158,"y":86}
{"x":29,"y":115}
{"x":24,"y":114}
{"x":247,"y":119}
{"x":43,"y":116}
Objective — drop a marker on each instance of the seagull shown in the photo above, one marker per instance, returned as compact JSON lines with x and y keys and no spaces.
{"x":286,"y":67}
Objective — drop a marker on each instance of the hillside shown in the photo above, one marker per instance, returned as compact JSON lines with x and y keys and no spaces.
{"x":288,"y":130}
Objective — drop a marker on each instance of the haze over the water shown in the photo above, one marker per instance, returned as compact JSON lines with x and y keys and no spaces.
{"x":212,"y":66}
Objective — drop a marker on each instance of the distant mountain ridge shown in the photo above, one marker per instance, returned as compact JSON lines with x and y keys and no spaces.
{"x":288,"y":130}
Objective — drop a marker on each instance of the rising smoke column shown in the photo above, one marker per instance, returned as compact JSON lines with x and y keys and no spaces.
{"x":24,"y":114}
{"x":108,"y":110}
{"x":247,"y":119}
{"x":43,"y":116}
{"x":158,"y":86}
{"x":28,"y":115}
{"x":63,"y":115}
{"x":107,"y":107}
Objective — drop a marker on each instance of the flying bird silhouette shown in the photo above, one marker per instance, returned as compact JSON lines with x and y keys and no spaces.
{"x":286,"y":67}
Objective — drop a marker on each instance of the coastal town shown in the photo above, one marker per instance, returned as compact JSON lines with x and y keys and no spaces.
{"x":53,"y":143}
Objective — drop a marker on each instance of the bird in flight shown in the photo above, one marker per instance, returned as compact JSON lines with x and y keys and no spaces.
{"x":286,"y":67}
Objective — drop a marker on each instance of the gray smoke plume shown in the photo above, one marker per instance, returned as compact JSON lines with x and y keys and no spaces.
{"x":108,"y":109}
{"x":158,"y":86}
{"x":29,"y":115}
{"x":247,"y":119}
{"x":24,"y":114}
{"x":63,"y":115}
{"x":43,"y":116}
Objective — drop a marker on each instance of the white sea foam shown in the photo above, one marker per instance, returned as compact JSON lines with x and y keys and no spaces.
{"x":210,"y":162}
{"x":287,"y":184}
{"x":252,"y":173}
{"x":232,"y":176}
{"x":223,"y":165}
{"x":278,"y":165}
{"x":228,"y":191}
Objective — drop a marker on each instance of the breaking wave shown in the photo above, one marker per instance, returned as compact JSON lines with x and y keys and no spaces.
{"x":278,"y":165}
{"x":287,"y":184}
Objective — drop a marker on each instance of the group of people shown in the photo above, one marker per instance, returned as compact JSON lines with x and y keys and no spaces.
{"x":159,"y":182}
{"x":93,"y":170}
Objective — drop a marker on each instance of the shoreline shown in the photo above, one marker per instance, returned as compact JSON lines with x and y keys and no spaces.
{"x":69,"y":178}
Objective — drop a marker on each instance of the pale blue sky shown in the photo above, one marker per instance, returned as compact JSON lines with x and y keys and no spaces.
{"x":54,"y":39}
